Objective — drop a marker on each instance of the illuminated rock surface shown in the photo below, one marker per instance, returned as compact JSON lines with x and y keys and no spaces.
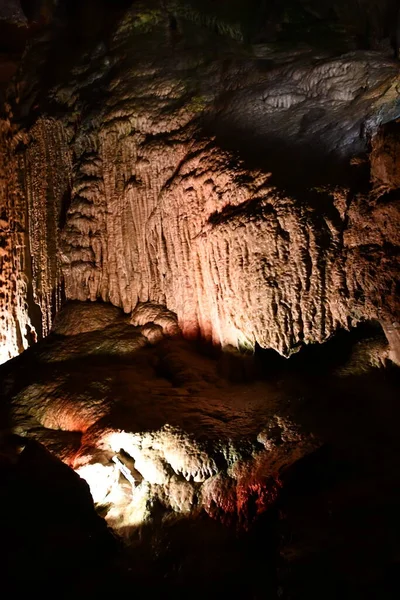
{"x":292,"y":452}
{"x":227,"y":195}
{"x":220,"y":186}
{"x":188,"y":432}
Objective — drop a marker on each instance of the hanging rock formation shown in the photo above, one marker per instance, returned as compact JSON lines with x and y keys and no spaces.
{"x":134,"y":193}
{"x":30,"y":274}
{"x":46,"y":198}
{"x":15,"y":328}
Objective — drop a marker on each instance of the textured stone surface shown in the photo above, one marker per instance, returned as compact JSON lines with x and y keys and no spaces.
{"x":10,"y":10}
{"x":272,"y":481}
{"x":216,"y":191}
{"x":15,"y":328}
{"x":132,"y":194}
{"x":45,"y":197}
{"x":384,"y":163}
{"x":238,"y":260}
{"x":30,"y":221}
{"x":73,"y":320}
{"x":193,"y":441}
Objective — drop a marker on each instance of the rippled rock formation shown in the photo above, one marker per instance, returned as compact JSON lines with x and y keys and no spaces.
{"x":134,"y":189}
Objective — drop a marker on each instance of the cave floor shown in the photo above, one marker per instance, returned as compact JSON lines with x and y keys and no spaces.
{"x":334,"y":528}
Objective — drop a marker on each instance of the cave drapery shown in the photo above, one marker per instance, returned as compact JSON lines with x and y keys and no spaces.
{"x":127,"y":189}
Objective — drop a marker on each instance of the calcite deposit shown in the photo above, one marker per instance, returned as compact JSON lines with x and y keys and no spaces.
{"x":162,"y":411}
{"x":184,"y":460}
{"x":135,"y":189}
{"x":199,"y":276}
{"x":16,"y":330}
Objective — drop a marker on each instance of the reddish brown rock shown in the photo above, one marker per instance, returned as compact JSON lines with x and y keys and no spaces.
{"x":385,"y":171}
{"x":132,"y":196}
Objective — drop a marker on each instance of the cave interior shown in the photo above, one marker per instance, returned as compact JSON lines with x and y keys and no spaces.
{"x":199,"y":298}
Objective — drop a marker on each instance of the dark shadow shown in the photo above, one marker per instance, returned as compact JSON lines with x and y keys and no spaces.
{"x":49,"y":529}
{"x":299,"y":162}
{"x":316,"y":359}
{"x":65,"y":204}
{"x":202,"y":557}
{"x":74,"y":29}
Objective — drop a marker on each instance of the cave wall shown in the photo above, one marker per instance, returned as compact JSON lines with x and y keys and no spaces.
{"x":14,"y":281}
{"x":47,"y":183}
{"x":34,"y":184}
{"x":238,"y":262}
{"x":128,"y":191}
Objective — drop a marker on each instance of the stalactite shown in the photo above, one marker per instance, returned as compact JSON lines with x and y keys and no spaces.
{"x":238,"y":262}
{"x":47,"y":178}
{"x":16,"y":329}
{"x":129,"y":199}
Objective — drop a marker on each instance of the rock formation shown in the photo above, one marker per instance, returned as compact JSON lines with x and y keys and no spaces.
{"x":14,"y":254}
{"x":170,"y":447}
{"x":87,"y":424}
{"x":134,"y":192}
{"x":199,"y":267}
